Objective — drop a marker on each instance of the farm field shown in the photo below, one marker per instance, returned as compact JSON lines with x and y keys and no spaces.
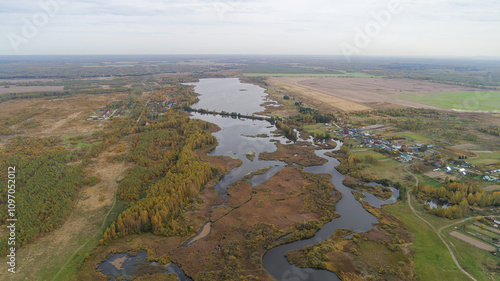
{"x":472,"y":241}
{"x":315,"y":98}
{"x":481,"y":264}
{"x":344,"y":74}
{"x":372,"y":90}
{"x":411,"y":135}
{"x":464,"y":101}
{"x":27,"y":89}
{"x":485,"y":158}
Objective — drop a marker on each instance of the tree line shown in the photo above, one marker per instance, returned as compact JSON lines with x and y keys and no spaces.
{"x":460,"y":195}
{"x":167,"y":177}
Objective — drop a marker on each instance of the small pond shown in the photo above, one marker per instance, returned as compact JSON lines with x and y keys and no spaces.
{"x":434,"y":203}
{"x":125,"y":265}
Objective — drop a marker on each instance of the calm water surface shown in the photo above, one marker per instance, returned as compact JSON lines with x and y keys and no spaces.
{"x":234,"y":141}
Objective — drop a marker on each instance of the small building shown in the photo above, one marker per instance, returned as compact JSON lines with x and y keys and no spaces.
{"x":487,"y":178}
{"x":396,"y":146}
{"x":437,"y":165}
{"x":405,"y":157}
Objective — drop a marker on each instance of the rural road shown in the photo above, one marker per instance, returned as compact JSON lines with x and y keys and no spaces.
{"x":438,"y":232}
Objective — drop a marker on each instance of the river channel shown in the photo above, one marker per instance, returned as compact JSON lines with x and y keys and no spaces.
{"x":238,"y":137}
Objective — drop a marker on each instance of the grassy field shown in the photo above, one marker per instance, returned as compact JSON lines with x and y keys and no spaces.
{"x":432,"y":259}
{"x":475,"y":228}
{"x":387,"y":167}
{"x":410,"y":135}
{"x":362,"y":152}
{"x":428,"y":180}
{"x":466,"y":101}
{"x":319,"y":128}
{"x":486,"y":158}
{"x":472,"y":259}
{"x":344,"y":74}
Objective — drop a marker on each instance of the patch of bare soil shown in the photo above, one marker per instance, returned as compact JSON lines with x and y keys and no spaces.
{"x":67,"y":116}
{"x":118,"y":262}
{"x":61,"y":122}
{"x":314,"y":97}
{"x":26,"y":89}
{"x":64,"y":116}
{"x":472,"y":241}
{"x":204,"y":232}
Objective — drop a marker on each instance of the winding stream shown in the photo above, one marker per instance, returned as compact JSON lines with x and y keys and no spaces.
{"x":234,"y":141}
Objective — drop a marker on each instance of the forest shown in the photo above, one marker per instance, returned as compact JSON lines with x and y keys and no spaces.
{"x":167,"y":176}
{"x":46,"y":185}
{"x":460,"y":195}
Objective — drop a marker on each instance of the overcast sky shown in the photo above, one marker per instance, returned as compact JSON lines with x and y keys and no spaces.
{"x":329,"y":27}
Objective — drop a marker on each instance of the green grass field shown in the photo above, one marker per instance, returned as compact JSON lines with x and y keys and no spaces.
{"x":466,"y":101}
{"x":388,"y":167}
{"x":474,"y":260}
{"x":428,"y":180}
{"x":432,"y":259}
{"x":345,"y":74}
{"x":410,"y":135}
{"x":485,"y":158}
{"x":318,"y":128}
{"x":362,"y":152}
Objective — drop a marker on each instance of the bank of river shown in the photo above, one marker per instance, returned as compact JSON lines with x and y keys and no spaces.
{"x":204,"y":232}
{"x":234,"y":141}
